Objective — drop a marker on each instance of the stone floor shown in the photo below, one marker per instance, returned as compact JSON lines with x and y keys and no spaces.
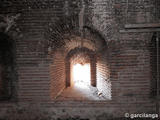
{"x":77,"y":92}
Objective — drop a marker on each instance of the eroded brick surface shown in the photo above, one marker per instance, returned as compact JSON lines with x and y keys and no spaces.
{"x":124,"y":61}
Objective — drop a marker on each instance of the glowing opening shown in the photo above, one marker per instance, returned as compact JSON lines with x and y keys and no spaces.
{"x":81,"y":75}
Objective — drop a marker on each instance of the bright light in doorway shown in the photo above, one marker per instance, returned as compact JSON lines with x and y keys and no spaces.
{"x":81,"y":75}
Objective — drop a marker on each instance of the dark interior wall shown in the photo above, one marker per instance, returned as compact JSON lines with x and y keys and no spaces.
{"x":7,"y":63}
{"x":1,"y":68}
{"x":128,"y":57}
{"x":154,"y":61}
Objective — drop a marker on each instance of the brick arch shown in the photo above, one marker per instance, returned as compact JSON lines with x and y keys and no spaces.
{"x":92,"y":57}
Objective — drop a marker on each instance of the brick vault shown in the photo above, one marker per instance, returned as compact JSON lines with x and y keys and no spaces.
{"x":114,"y":43}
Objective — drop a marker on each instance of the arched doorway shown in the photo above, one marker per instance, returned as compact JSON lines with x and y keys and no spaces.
{"x":65,"y":44}
{"x":81,"y":61}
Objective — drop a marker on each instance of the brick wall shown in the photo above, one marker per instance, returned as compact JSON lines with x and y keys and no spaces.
{"x":32,"y":68}
{"x":93,"y":61}
{"x":58,"y":75}
{"x":135,"y":11}
{"x":130,"y":62}
{"x":33,"y":65}
{"x":127,"y":55}
{"x":103,"y":76}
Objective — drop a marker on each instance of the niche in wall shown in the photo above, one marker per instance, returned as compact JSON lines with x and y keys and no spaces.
{"x":154,"y":66}
{"x":73,"y":50}
{"x":7,"y":68}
